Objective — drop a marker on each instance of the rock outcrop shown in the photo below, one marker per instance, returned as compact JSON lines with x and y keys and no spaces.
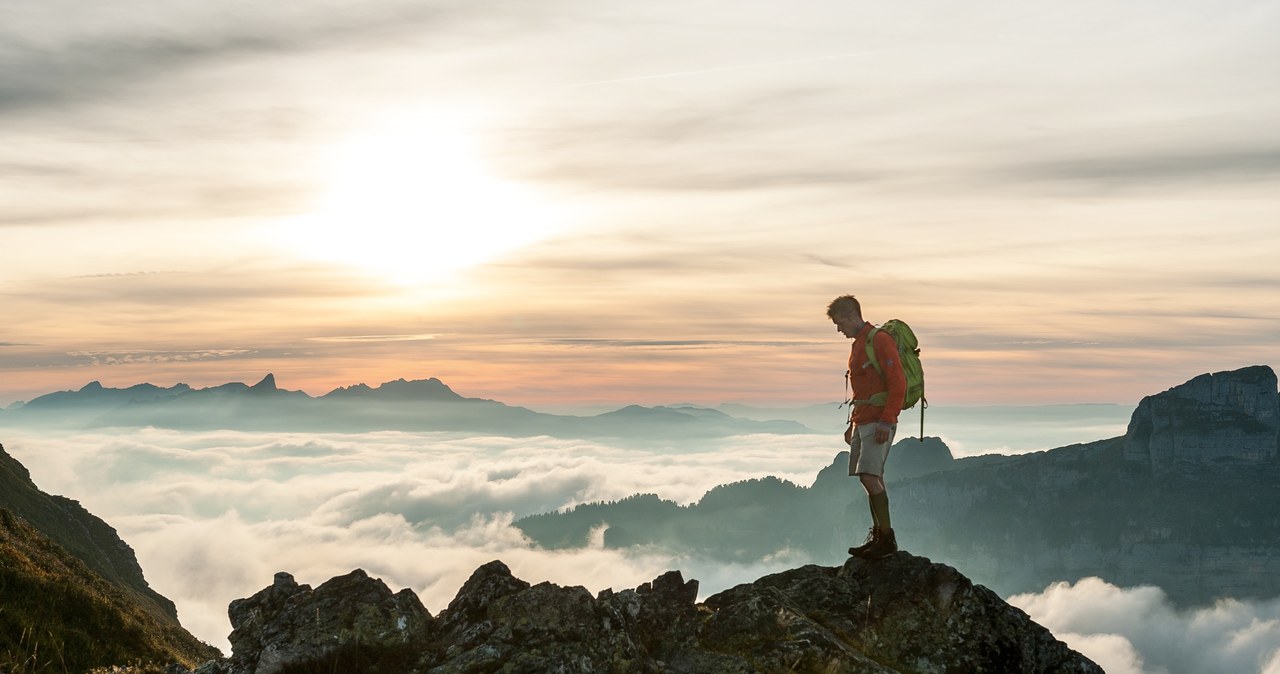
{"x":1225,"y":415}
{"x":903,"y":614}
{"x":347,"y":620}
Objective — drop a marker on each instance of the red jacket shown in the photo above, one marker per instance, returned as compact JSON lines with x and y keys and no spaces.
{"x":866,"y":381}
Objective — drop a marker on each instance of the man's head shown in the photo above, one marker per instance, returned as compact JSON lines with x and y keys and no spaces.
{"x":846,"y":313}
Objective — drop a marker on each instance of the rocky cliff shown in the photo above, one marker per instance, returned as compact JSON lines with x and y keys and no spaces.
{"x":898,"y":615}
{"x":1232,"y":416}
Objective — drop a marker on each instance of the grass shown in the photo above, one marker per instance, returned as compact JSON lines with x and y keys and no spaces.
{"x":58,"y":616}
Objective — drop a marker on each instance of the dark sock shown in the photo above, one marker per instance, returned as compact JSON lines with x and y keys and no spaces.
{"x":880,"y":510}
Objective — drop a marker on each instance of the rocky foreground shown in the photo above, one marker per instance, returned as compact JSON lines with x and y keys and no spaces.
{"x":903,"y":614}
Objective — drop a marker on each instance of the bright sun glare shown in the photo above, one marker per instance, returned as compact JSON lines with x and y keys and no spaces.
{"x":410,"y":201}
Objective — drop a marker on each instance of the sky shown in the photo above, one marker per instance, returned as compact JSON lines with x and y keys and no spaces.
{"x":424,"y":510}
{"x":566,"y":202}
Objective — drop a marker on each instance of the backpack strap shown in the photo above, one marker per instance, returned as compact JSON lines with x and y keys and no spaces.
{"x":871,"y":351}
{"x":878,"y":399}
{"x":881,"y":398}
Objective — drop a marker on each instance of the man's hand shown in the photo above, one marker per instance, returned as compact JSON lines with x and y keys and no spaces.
{"x":882,"y":432}
{"x":848,"y":434}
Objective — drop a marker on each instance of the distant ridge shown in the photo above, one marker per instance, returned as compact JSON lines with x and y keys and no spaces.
{"x":408,"y":405}
{"x":94,"y":394}
{"x":400,"y":389}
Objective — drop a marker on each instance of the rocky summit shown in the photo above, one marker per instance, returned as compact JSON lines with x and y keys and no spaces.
{"x":902,"y":614}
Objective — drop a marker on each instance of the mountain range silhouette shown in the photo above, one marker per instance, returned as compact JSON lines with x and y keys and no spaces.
{"x":418,"y":405}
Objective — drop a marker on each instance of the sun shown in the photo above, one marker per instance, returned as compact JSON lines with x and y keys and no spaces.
{"x":409,"y":200}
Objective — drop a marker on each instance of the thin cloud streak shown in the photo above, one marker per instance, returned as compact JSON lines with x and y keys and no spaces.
{"x":376,"y":338}
{"x":139,"y":42}
{"x":98,"y":358}
{"x":661,"y":344}
{"x":725,"y":69}
{"x":1157,"y":169}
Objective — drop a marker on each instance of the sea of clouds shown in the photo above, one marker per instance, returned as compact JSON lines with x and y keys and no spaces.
{"x":213,"y":515}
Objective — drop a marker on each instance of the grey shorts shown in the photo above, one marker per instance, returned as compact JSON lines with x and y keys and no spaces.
{"x":865,"y":455}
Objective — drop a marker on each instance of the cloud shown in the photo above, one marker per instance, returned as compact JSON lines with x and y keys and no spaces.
{"x":193,"y":112}
{"x":675,"y":343}
{"x":695,"y":141}
{"x":1273,"y":665}
{"x":432,"y":563}
{"x":421,"y":510}
{"x":208,"y":286}
{"x":1156,"y":169}
{"x":151,"y":357}
{"x":1138,"y":630}
{"x":376,"y":338}
{"x":50,"y":61}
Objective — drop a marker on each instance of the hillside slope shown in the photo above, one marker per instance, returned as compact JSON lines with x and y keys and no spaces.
{"x":58,"y":615}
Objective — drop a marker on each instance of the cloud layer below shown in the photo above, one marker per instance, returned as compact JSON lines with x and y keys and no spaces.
{"x":1138,"y":631}
{"x":214,"y":515}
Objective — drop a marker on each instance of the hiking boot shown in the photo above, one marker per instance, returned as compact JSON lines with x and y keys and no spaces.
{"x":884,"y":545}
{"x":872,"y":536}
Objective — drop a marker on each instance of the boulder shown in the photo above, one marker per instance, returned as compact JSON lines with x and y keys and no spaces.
{"x":350,"y":621}
{"x":900,"y":614}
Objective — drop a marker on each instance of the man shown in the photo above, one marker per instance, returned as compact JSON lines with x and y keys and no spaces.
{"x":873,"y":420}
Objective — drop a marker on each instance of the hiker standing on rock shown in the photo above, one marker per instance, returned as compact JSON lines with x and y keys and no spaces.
{"x":873,"y":418}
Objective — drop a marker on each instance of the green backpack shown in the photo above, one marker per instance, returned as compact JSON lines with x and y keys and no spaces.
{"x":909,"y":355}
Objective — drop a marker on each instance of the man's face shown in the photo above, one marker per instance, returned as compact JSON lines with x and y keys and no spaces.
{"x":848,"y":325}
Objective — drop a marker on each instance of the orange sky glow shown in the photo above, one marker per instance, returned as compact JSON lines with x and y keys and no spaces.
{"x":642,"y":206}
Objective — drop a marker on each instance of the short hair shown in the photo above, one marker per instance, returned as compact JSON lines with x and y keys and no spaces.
{"x":844,"y":305}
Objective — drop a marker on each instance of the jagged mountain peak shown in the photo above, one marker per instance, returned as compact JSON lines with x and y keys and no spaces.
{"x":268,"y":383}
